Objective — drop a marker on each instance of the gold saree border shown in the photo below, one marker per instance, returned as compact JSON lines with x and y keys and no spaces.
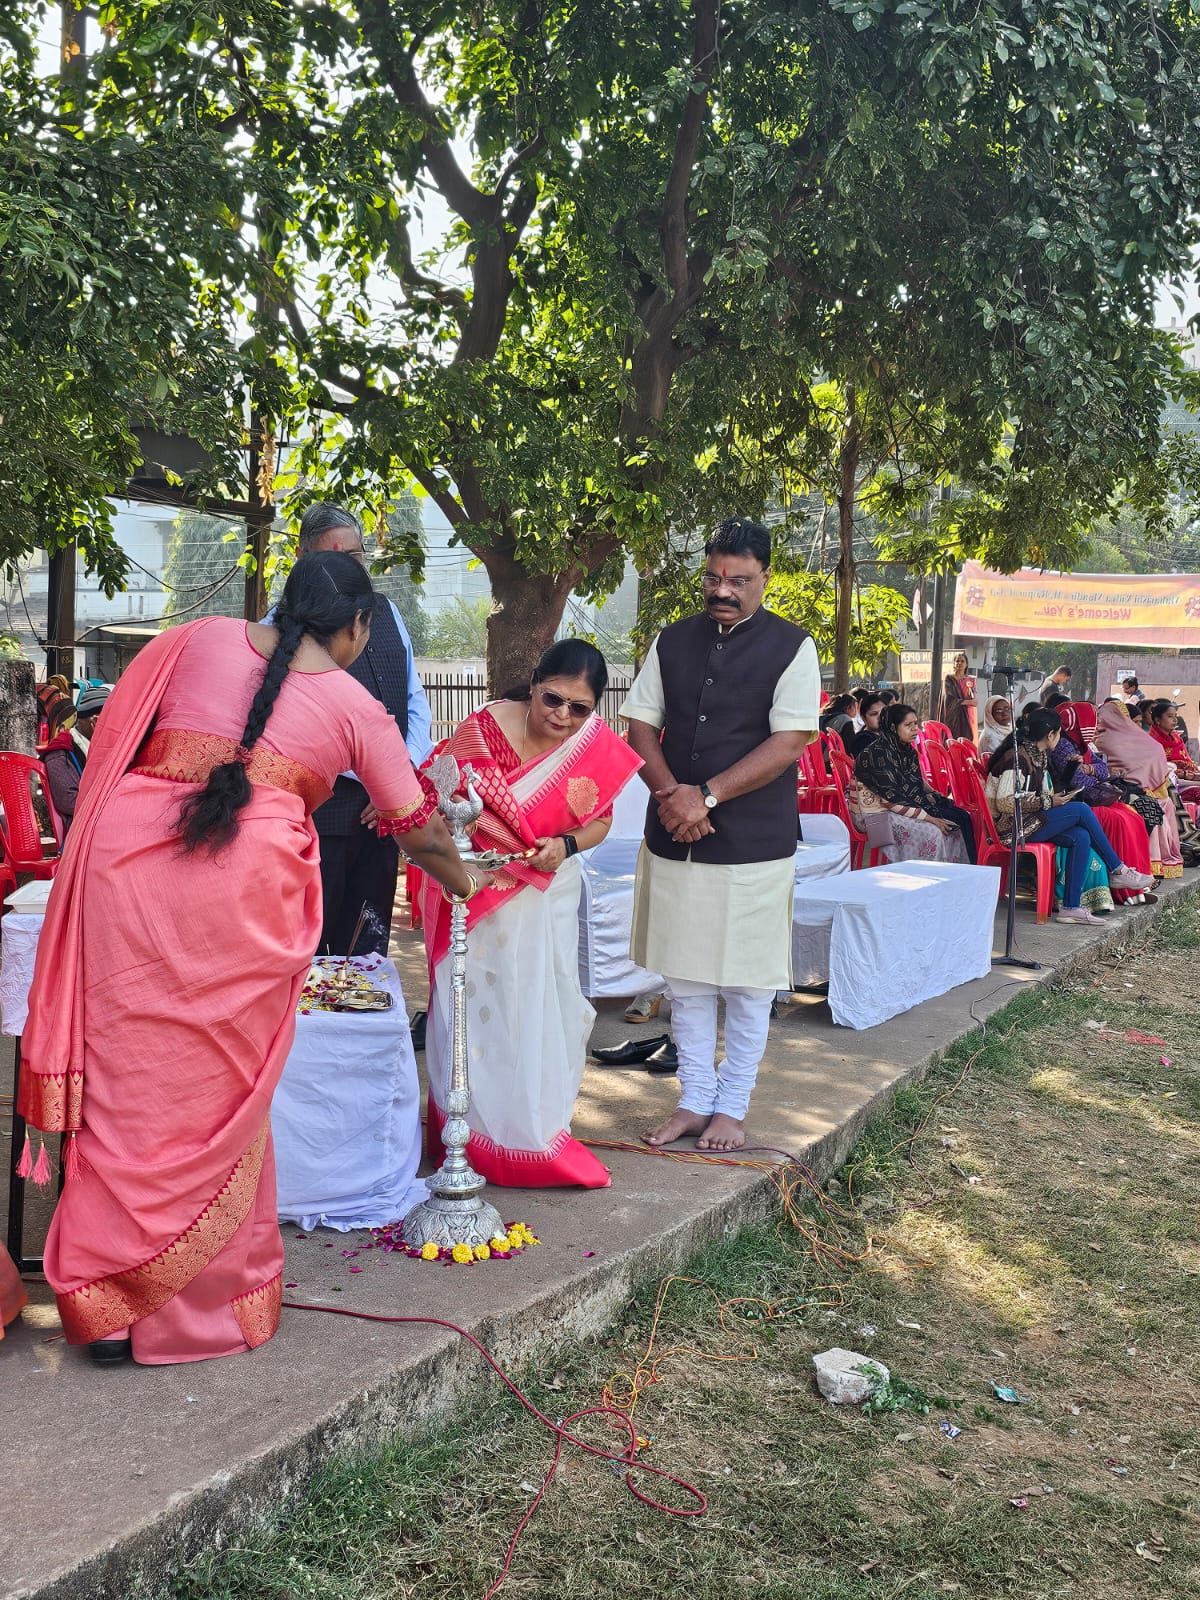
{"x":257,"y":1311}
{"x":100,"y":1308}
{"x":179,"y":755}
{"x":51,"y":1101}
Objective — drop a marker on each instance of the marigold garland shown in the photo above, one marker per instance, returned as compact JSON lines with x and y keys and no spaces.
{"x":501,"y":1248}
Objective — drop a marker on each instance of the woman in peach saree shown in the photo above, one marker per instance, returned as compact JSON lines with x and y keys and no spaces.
{"x":12,"y":1291}
{"x":178,"y":936}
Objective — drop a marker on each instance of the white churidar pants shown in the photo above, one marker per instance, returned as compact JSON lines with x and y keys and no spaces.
{"x":706,"y":1086}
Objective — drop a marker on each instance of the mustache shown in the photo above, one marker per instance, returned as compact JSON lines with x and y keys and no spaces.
{"x":725,"y":600}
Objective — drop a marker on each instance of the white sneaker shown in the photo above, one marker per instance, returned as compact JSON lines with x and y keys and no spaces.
{"x":1127,"y":878}
{"x":1079,"y":914}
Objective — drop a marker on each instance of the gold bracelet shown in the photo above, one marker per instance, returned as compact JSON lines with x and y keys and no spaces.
{"x":476,"y":885}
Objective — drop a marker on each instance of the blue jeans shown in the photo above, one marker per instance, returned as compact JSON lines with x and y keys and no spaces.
{"x":1074,"y":828}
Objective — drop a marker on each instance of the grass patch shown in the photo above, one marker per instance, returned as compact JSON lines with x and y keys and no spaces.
{"x":1068,"y":1272}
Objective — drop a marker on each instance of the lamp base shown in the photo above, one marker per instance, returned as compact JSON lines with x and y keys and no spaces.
{"x":446,"y":1221}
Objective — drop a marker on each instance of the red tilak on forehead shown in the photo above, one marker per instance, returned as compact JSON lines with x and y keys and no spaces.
{"x":724,"y":574}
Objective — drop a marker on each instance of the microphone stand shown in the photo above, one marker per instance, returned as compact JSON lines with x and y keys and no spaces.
{"x":1008,"y":959}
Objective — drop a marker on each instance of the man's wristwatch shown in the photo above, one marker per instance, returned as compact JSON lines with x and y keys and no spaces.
{"x":710,"y":799}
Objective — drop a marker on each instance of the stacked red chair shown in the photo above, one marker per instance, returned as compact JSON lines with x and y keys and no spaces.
{"x":20,"y":832}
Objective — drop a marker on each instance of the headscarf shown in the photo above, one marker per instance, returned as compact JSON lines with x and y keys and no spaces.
{"x":993,"y":730}
{"x":1079,"y":722}
{"x":890,"y":769}
{"x":1128,"y":748}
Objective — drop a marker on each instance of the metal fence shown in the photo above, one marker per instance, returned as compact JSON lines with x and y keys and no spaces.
{"x":454,"y":695}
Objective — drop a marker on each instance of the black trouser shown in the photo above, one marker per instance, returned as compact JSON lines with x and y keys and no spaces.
{"x":357,"y":867}
{"x":952,"y":813}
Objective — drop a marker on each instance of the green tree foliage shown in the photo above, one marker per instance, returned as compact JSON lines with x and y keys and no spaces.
{"x":103,"y":323}
{"x":202,"y":572}
{"x":546,"y":260}
{"x":459,"y":631}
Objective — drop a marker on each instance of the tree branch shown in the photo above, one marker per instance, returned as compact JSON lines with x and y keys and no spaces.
{"x":459,"y":193}
{"x":675,"y":201}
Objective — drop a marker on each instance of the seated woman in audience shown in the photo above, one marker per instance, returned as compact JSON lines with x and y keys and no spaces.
{"x":997,"y":724}
{"x":66,"y":754}
{"x":838,"y":717}
{"x":1132,"y":754}
{"x":1075,"y":765}
{"x":1052,"y":818}
{"x":924,"y":825}
{"x":1164,"y":727}
{"x":548,"y":770}
{"x":870,"y":709}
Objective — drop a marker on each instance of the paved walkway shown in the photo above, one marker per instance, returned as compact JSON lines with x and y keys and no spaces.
{"x":115,"y":1476}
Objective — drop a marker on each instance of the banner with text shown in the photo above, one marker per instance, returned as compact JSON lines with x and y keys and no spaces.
{"x":1079,"y":608}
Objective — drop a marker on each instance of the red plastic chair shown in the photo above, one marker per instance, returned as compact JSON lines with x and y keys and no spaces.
{"x":832,"y":740}
{"x":862,"y":853}
{"x":24,"y":850}
{"x":961,"y":752}
{"x":936,"y":730}
{"x":937,"y":766}
{"x":816,"y":793}
{"x":993,"y":852}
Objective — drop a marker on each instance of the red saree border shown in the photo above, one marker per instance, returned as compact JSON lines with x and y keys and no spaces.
{"x":257,"y":1311}
{"x":100,"y":1308}
{"x":181,"y":755}
{"x":565,"y":1163}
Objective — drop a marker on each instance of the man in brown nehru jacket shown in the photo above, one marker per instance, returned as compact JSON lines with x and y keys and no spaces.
{"x":723,"y":706}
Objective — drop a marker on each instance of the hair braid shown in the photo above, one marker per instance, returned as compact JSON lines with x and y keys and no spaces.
{"x":309,"y":606}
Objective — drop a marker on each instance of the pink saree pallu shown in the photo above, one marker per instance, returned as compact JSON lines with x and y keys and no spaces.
{"x":161,"y":1015}
{"x":528,"y":1022}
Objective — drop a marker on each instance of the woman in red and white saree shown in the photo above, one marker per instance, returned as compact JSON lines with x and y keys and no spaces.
{"x":548,"y":771}
{"x":163,"y":1003}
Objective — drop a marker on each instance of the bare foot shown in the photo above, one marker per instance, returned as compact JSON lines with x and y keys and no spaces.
{"x":679,"y":1123}
{"x":722,"y":1133}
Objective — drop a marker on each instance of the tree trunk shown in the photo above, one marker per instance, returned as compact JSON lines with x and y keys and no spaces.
{"x":526,"y":611}
{"x":18,"y":707}
{"x":847,"y":472}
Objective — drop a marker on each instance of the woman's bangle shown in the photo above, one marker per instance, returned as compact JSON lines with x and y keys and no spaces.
{"x":570,"y":844}
{"x":448,"y":894}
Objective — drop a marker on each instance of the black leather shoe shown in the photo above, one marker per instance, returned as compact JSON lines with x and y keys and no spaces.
{"x":630,"y":1052}
{"x":665,"y":1060}
{"x":107,"y":1352}
{"x":417,"y":1028}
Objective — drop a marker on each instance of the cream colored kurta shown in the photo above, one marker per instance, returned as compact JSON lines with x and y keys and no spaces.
{"x":730,"y":926}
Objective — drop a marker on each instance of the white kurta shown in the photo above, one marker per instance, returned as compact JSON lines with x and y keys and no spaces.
{"x":730,"y":926}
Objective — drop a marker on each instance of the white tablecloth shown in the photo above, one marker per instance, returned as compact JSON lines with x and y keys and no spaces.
{"x":347,"y":1117}
{"x":19,"y":935}
{"x":889,"y":937}
{"x":347,"y":1112}
{"x":606,"y":903}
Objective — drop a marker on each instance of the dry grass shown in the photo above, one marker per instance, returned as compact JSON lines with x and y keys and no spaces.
{"x":1070,"y":1271}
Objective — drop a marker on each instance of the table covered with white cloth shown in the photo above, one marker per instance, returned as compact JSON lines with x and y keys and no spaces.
{"x":346,"y":1116}
{"x":606,"y":902}
{"x":887,"y":938}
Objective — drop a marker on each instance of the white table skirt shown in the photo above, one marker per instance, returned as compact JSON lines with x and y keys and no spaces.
{"x":890,"y":937}
{"x":19,"y":935}
{"x":347,"y":1117}
{"x":606,"y":904}
{"x":347,"y":1113}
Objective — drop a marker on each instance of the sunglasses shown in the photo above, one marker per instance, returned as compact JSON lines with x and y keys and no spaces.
{"x":555,"y":702}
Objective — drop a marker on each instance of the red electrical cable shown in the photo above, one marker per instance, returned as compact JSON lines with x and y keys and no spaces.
{"x":628,"y":1456}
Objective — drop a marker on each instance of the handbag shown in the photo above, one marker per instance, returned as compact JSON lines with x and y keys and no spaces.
{"x":877,"y":825}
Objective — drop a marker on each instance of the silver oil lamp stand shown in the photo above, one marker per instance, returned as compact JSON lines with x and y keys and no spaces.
{"x":456,"y":1212}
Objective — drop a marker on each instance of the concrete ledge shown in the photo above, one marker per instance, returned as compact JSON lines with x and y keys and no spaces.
{"x":114,"y":1479}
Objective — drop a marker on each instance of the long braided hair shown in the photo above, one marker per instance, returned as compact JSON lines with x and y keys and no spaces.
{"x":325,"y":593}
